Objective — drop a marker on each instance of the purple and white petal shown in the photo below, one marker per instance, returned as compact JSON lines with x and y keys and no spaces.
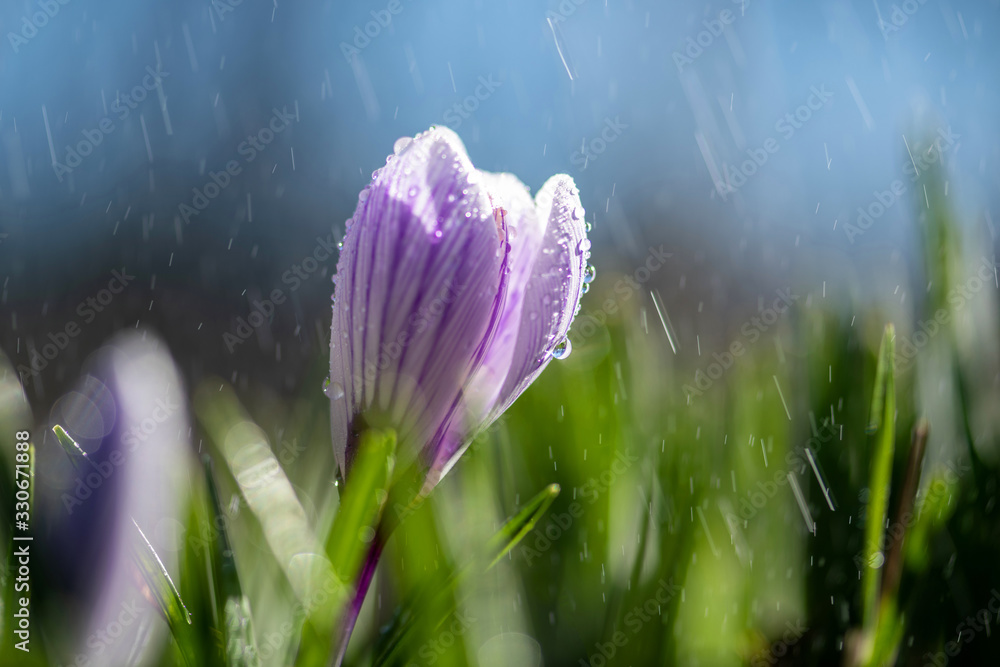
{"x":553,"y":288}
{"x":420,"y":285}
{"x":512,"y":205}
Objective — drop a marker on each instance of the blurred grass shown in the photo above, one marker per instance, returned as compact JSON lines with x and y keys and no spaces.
{"x":746,"y":525}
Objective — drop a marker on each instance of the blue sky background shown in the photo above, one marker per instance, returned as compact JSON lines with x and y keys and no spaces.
{"x":230,"y":64}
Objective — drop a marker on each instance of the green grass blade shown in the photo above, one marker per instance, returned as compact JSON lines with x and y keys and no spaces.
{"x":518,"y":526}
{"x":397,"y":637}
{"x":351,"y":537}
{"x":76,"y":455}
{"x":365,"y":494}
{"x":234,"y":606}
{"x":883,"y":411}
{"x":268,"y":493}
{"x":163,"y":590}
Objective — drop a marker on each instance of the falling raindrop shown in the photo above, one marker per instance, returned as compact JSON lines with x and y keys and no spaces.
{"x":589,"y":274}
{"x":562,"y":349}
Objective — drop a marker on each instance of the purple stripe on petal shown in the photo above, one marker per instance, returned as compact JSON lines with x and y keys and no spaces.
{"x":418,"y":278}
{"x":515,"y":210}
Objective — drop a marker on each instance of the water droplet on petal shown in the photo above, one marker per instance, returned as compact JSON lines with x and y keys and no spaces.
{"x":585,"y":288}
{"x":401,"y":144}
{"x":583,"y":246}
{"x":333,"y":390}
{"x":577,"y":212}
{"x":363,"y":195}
{"x":588,"y":226}
{"x":438,"y":234}
{"x":413,"y":191}
{"x":589,"y":274}
{"x":562,"y":349}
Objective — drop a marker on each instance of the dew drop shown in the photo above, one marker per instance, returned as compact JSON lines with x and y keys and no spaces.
{"x":588,"y":226}
{"x":577,"y":212}
{"x":589,"y":274}
{"x":585,"y":288}
{"x":401,"y":144}
{"x":413,"y":191}
{"x":583,"y":246}
{"x":438,"y":234}
{"x":562,"y":349}
{"x":333,"y":390}
{"x":363,"y":195}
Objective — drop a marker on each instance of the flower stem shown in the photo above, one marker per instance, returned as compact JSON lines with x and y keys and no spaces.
{"x":351,"y":614}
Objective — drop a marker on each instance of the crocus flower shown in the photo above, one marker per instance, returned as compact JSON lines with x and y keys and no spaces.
{"x":454,"y":290}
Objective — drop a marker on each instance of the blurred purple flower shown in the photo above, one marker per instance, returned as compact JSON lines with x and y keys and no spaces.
{"x":454,"y":290}
{"x":129,"y":415}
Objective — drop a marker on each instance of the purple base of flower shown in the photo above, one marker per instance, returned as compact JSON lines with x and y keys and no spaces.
{"x":364,"y":582}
